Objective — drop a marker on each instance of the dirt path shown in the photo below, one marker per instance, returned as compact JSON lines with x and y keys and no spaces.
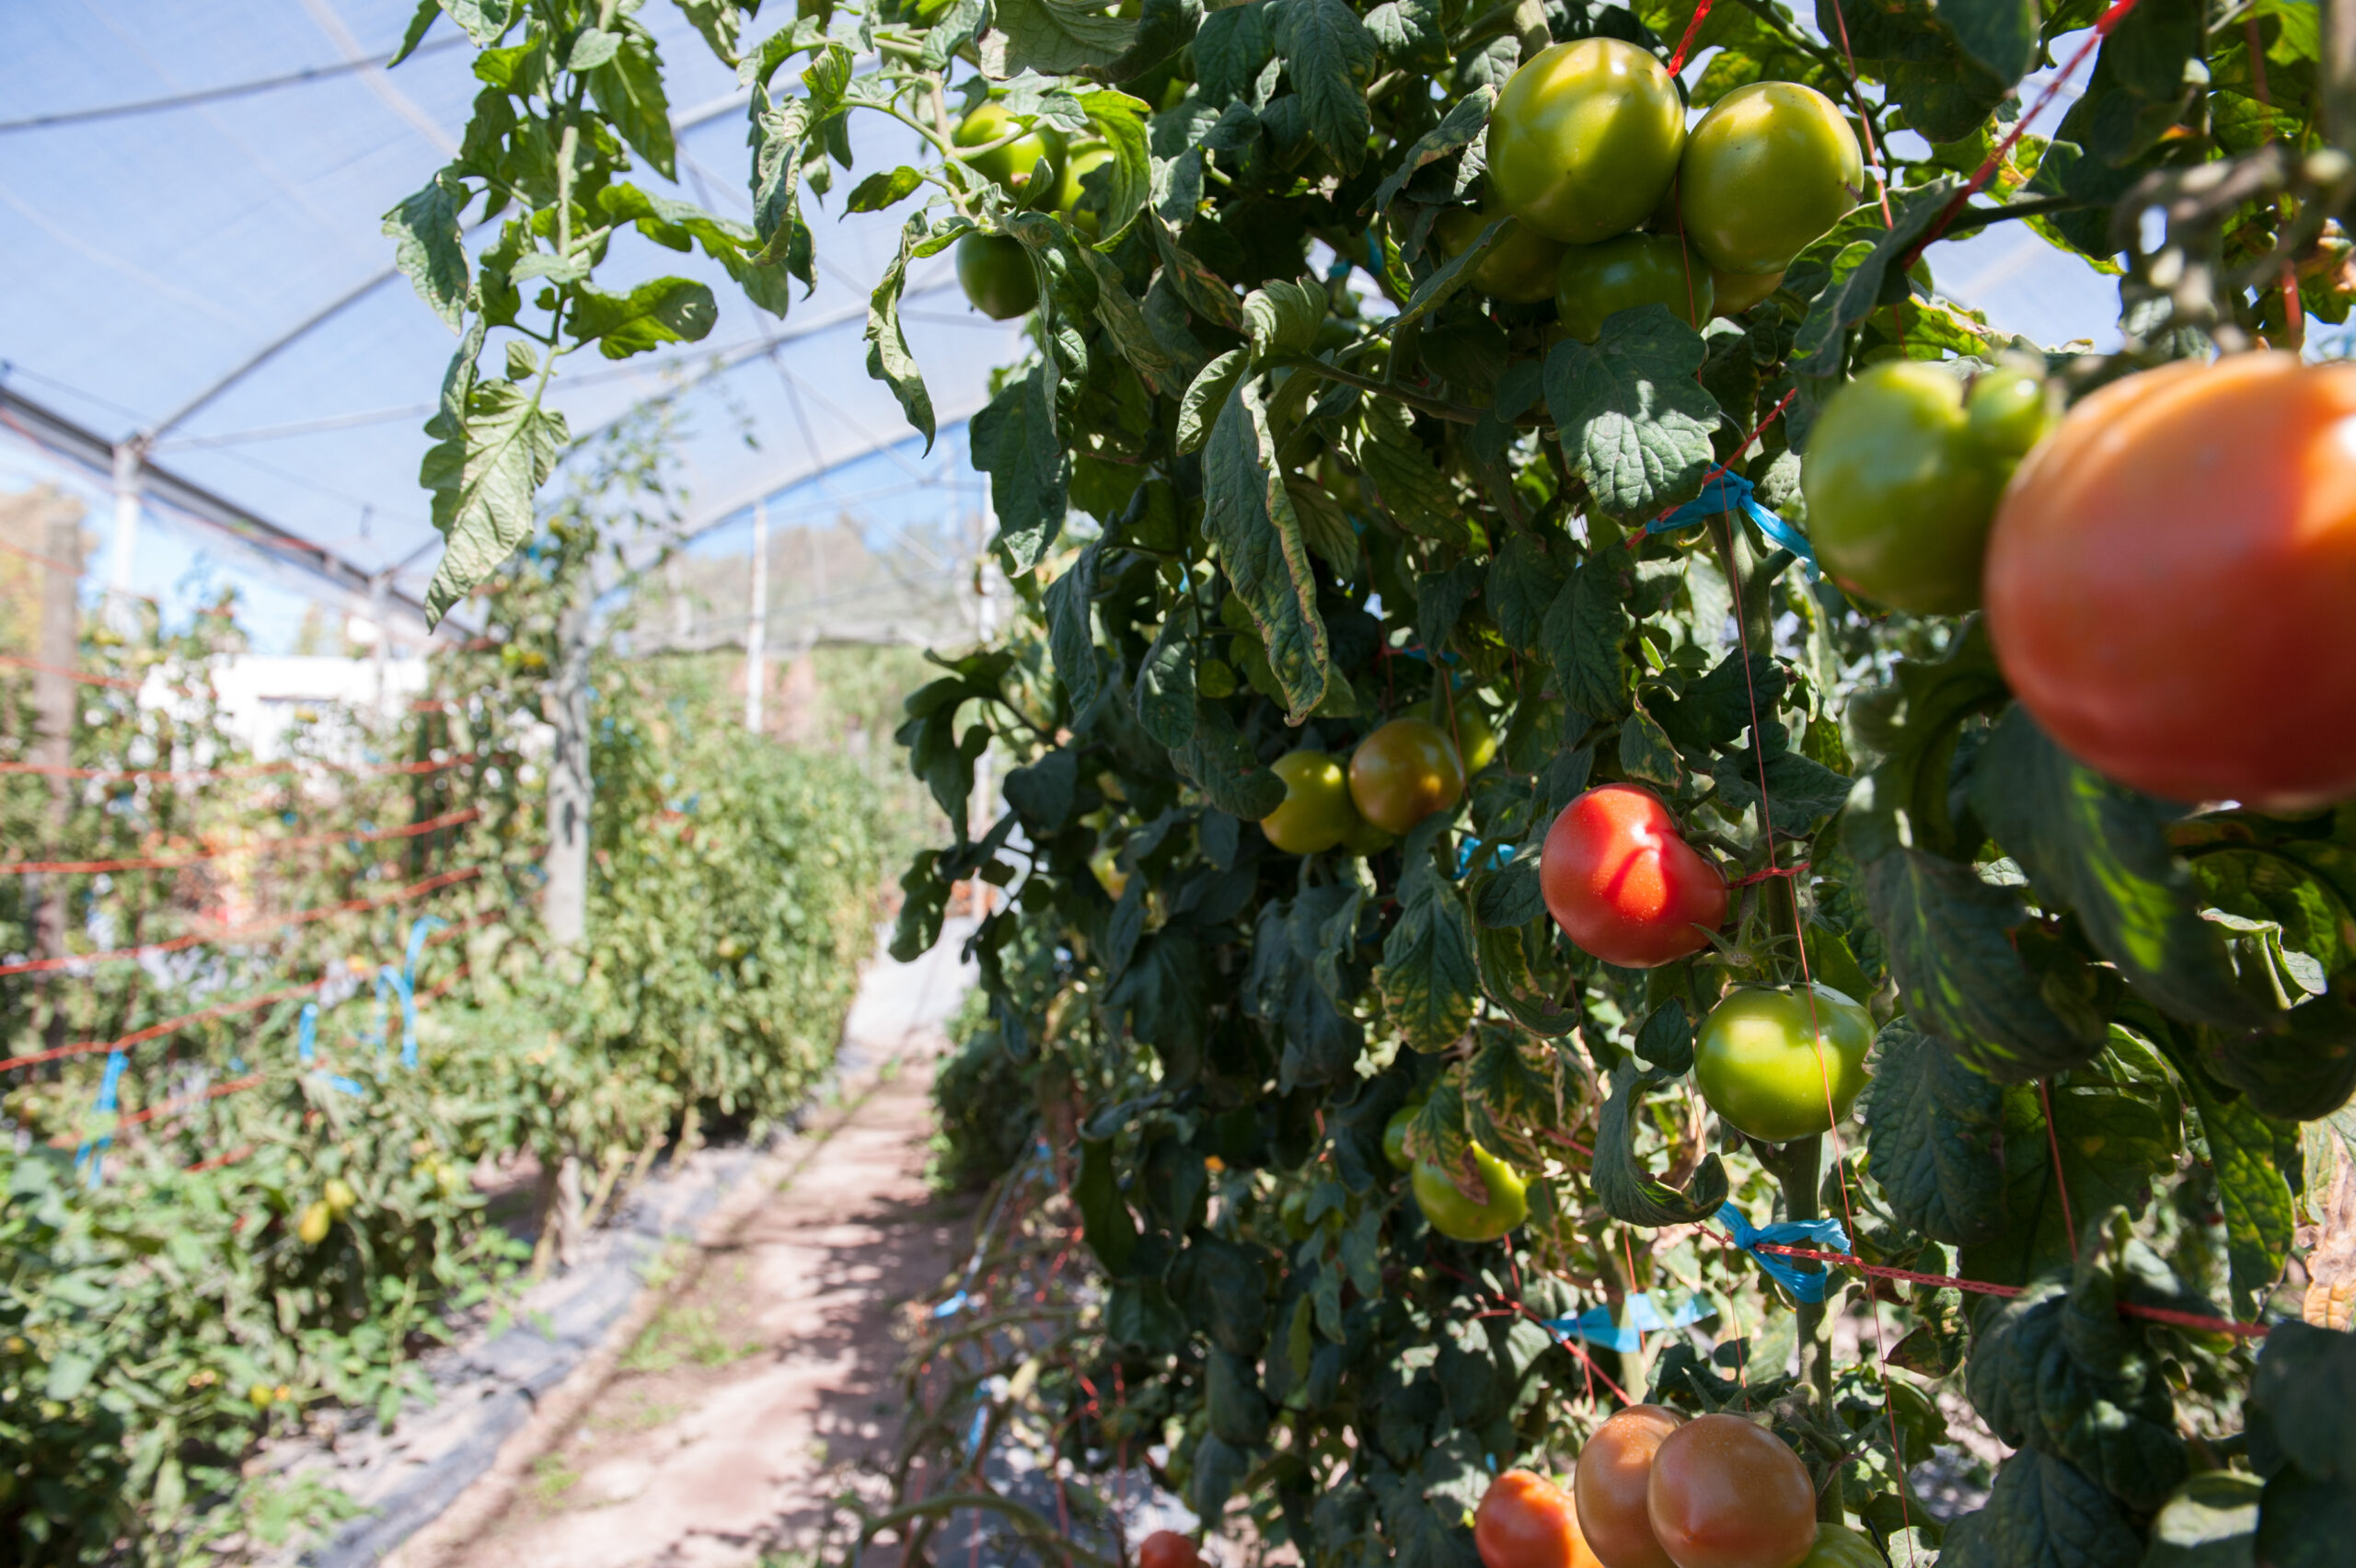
{"x":767,"y":1387}
{"x":763,"y":1393}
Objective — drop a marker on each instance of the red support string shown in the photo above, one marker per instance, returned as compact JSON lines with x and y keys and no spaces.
{"x":300,"y":918}
{"x":253,"y":770}
{"x":2061,"y":1183}
{"x":1735,"y":457}
{"x":1797,"y":869}
{"x":1677,"y":61}
{"x":55,"y":565}
{"x":120,"y":683}
{"x":1865,"y":120}
{"x":261,"y":849}
{"x":243,"y":1151}
{"x":1982,"y":1287}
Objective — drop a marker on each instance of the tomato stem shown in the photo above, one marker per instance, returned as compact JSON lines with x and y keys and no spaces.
{"x":1799,"y":1168}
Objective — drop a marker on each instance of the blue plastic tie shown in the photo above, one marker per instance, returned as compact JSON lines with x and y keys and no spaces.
{"x":1727,"y":493}
{"x":1596,"y":1326}
{"x":1471,"y":850}
{"x":1804,"y":1286}
{"x":306,"y":1050}
{"x":96,"y":1153}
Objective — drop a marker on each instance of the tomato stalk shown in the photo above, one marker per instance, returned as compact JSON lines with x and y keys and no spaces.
{"x":1798,"y":1167}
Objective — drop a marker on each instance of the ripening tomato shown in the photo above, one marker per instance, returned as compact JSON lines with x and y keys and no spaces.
{"x":1725,"y":1492}
{"x":1769,"y":170}
{"x":1071,"y":195}
{"x":996,"y":275}
{"x":1838,"y":1546}
{"x":313,"y":1225}
{"x":1622,"y":883}
{"x":1013,"y":167}
{"x":1609,"y":1486}
{"x":1458,"y":1217}
{"x":1526,"y":1521}
{"x":1519,"y":268}
{"x":1758,"y":1065}
{"x":340,"y":1198}
{"x":1738,"y":292}
{"x":1168,"y":1548}
{"x":1394,"y":1135}
{"x":1584,"y":138}
{"x":2170,"y":578}
{"x":1368,"y":839}
{"x":1316,"y":814}
{"x":1901,"y":490}
{"x":1624,"y":272}
{"x":1404,"y":772}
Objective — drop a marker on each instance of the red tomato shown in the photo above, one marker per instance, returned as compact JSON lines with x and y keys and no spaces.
{"x":1526,"y":1521}
{"x":1609,"y":1486}
{"x":2170,"y":580}
{"x":1726,"y":1494}
{"x":1168,"y":1548}
{"x":1622,"y":883}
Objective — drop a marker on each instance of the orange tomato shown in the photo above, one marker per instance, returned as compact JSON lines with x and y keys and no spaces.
{"x":2170,"y":579}
{"x":1725,"y":1492}
{"x":1526,"y":1521}
{"x":1610,"y":1487}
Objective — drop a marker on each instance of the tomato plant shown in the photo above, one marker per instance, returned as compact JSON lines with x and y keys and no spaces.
{"x":1285,"y":465}
{"x":1783,"y":1064}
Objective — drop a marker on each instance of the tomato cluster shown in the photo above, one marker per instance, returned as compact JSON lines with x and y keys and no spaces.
{"x":1039,"y":167}
{"x":1396,"y":776}
{"x":1654,"y":1490}
{"x":1587,"y":145}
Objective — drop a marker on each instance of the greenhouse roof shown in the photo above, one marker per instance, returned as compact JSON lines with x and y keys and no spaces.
{"x":191,"y":196}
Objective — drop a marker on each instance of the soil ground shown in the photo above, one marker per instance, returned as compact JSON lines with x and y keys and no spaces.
{"x":767,"y":1389}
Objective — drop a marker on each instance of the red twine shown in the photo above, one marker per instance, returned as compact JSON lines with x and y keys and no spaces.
{"x":2133,"y":1309}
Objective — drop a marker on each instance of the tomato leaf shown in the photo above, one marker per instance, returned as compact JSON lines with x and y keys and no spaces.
{"x":1217,"y":762}
{"x":2302,"y":1418}
{"x":1627,"y":1190}
{"x":1522,"y":586}
{"x":427,"y":246}
{"x":1459,"y":128}
{"x":628,"y":90}
{"x":1247,"y":510}
{"x":2102,"y":849}
{"x":665,"y":310}
{"x":1634,"y":422}
{"x":1055,"y":38}
{"x":2114,"y":1137}
{"x":1946,"y":90}
{"x":1015,"y":442}
{"x":1106,"y":1222}
{"x":1429,"y":976}
{"x":1071,"y":636}
{"x":2044,"y":1513}
{"x":1329,"y":56}
{"x":1409,"y":484}
{"x":1861,"y":276}
{"x":1583,"y":632}
{"x":483,"y":471}
{"x":1232,"y":48}
{"x":1933,"y":1137}
{"x":2252,"y":1158}
{"x":1043,"y":791}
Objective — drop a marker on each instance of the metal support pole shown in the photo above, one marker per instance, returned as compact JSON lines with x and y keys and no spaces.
{"x":128,"y":457}
{"x":53,"y":706}
{"x":757,"y":627}
{"x":378,"y":590}
{"x":566,"y":906}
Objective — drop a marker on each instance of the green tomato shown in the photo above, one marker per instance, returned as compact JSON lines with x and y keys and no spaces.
{"x":1584,"y":140}
{"x":1634,"y":270}
{"x":1078,"y":164}
{"x":2007,"y":411}
{"x":1769,"y":170}
{"x":1900,"y":497}
{"x":1458,"y":1218}
{"x":1738,"y":292}
{"x":1519,"y":268}
{"x":1394,"y":1135}
{"x":996,"y":275}
{"x":1757,"y":1061}
{"x":1838,"y":1546}
{"x":1316,"y":814}
{"x":1013,"y":167}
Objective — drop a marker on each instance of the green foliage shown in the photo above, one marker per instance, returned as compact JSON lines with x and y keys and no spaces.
{"x":1273,"y":472}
